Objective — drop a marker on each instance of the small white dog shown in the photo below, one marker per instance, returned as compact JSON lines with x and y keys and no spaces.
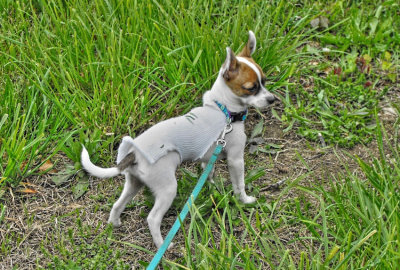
{"x":152,"y":158}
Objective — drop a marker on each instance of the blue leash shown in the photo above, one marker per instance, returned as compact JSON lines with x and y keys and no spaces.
{"x":158,"y":256}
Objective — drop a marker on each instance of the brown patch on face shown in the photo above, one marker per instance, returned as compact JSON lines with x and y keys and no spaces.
{"x":251,"y":60}
{"x":245,"y":78}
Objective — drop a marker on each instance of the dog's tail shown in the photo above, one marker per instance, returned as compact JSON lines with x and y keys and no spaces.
{"x":95,"y":170}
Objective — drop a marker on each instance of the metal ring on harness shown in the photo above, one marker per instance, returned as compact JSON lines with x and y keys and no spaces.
{"x":221,"y":142}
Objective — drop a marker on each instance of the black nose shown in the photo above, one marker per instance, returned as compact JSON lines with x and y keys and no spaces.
{"x":271,"y":99}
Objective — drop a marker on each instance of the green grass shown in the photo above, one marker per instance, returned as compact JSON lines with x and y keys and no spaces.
{"x":93,"y":71}
{"x":357,"y":218}
{"x":70,"y":73}
{"x":340,"y":90}
{"x":84,"y":248}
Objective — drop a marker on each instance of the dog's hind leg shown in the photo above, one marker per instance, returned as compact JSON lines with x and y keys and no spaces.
{"x":163,"y":201}
{"x":131,"y":188}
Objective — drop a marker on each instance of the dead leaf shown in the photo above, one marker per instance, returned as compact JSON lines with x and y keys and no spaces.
{"x":337,"y":71}
{"x":28,"y":184}
{"x":23,"y":165}
{"x":323,"y":22}
{"x":367,"y":84}
{"x":46,"y":166}
{"x":328,"y":70}
{"x":389,"y":111}
{"x":315,"y":23}
{"x":27,"y":191}
{"x":74,"y":206}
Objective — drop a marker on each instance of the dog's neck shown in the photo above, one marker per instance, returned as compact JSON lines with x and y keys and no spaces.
{"x":224,"y":95}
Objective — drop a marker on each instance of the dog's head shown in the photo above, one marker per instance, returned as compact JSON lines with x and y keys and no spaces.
{"x":245,"y":77}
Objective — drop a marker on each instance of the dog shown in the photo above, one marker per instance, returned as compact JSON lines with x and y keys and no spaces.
{"x":152,"y":158}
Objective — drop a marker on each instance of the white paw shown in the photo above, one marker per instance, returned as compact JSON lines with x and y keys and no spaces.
{"x":247,"y":199}
{"x":115,"y":222}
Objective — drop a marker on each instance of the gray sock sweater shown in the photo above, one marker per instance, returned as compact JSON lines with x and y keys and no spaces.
{"x":191,"y":135}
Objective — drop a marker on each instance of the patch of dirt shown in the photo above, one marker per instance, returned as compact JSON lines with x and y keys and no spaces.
{"x":35,"y":221}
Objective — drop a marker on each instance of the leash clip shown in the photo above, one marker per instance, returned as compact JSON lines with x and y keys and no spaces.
{"x":228,"y":128}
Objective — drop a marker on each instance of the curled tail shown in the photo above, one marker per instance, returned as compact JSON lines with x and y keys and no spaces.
{"x":95,"y":170}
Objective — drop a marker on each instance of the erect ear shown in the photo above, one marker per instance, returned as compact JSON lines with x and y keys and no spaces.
{"x":250,"y":47}
{"x":230,"y":67}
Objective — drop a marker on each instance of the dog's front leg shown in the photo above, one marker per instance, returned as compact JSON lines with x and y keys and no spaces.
{"x":235,"y":154}
{"x":236,"y":171}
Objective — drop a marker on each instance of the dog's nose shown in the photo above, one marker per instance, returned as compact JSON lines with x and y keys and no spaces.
{"x":271,"y":99}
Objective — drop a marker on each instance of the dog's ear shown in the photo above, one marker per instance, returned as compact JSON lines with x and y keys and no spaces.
{"x":250,"y":47}
{"x":231,"y":65}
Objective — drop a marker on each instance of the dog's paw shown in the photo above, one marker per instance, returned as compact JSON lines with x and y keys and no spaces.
{"x":247,"y":199}
{"x":115,"y":222}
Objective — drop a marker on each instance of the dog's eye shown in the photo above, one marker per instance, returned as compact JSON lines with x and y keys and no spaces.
{"x":252,"y":88}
